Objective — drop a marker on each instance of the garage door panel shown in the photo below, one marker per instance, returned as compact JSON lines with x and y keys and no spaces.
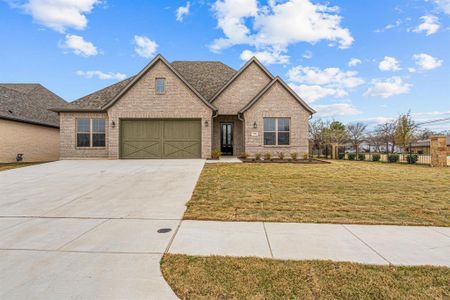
{"x":181,"y":149}
{"x":142,"y":149}
{"x":152,"y":138}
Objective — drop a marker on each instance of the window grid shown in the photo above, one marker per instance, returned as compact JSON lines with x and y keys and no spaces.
{"x":95,"y":133}
{"x":160,"y":85}
{"x":277,"y":131}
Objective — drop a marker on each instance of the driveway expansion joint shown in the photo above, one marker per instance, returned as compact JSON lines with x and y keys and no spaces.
{"x":267,"y":238}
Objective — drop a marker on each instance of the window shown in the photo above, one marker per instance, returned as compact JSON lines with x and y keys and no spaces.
{"x":160,"y":85}
{"x":276,"y":131}
{"x":91,"y":133}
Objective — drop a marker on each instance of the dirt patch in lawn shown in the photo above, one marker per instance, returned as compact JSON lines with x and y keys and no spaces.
{"x":217,"y":277}
{"x":340,"y":192}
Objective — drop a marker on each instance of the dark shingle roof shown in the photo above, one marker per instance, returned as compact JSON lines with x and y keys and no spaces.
{"x":29,"y":102}
{"x":206,"y":77}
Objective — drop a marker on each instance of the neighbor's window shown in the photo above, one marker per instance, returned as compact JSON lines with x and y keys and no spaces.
{"x":160,"y":85}
{"x":276,"y":131}
{"x":91,"y":133}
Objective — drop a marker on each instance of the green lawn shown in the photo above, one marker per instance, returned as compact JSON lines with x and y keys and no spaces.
{"x":340,"y":192}
{"x":217,"y":277}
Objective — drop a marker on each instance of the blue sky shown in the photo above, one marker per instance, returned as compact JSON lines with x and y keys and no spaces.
{"x":351,"y":60}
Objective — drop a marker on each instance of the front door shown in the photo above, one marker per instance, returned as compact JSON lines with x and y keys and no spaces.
{"x":226,"y":138}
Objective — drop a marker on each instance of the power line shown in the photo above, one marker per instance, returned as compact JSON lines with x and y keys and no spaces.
{"x":433,"y":121}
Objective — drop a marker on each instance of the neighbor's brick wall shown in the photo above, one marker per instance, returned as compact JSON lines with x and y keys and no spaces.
{"x":242,"y":90}
{"x":277,"y":102}
{"x":238,"y":133}
{"x":141,"y":101}
{"x":37,"y":143}
{"x":68,"y":146}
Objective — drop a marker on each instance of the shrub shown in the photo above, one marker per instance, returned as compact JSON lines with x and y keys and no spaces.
{"x":215,"y":154}
{"x":412,"y":158}
{"x":267,"y":156}
{"x":351,"y":156}
{"x":244,"y":155}
{"x":294,"y":155}
{"x":393,"y":158}
{"x":376,"y":157}
{"x":258,"y":156}
{"x":341,"y":155}
{"x":361,"y":156}
{"x":305,"y":156}
{"x":281,"y":155}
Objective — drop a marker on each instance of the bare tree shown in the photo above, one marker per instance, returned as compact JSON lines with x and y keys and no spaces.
{"x":374,"y":140}
{"x":386,"y":133}
{"x":356,"y":134}
{"x":405,"y":129}
{"x":317,"y":133}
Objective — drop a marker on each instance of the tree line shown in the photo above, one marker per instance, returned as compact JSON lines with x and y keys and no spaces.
{"x":392,"y":134}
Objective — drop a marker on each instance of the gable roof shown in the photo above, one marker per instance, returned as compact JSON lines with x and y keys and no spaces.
{"x":204,"y":78}
{"x":267,"y":88}
{"x":29,"y":103}
{"x":241,"y":70}
{"x":207,"y":77}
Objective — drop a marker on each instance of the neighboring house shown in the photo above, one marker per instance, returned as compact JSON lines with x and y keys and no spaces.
{"x":423,"y":146}
{"x":184,"y":110}
{"x":27,"y":126}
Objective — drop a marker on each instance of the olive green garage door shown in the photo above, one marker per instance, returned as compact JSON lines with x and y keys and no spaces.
{"x":169,"y":138}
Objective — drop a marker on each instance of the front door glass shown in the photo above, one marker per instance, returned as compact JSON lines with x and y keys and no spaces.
{"x":226,"y":138}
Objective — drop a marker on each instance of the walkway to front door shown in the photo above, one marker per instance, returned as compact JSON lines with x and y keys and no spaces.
{"x":226,"y":138}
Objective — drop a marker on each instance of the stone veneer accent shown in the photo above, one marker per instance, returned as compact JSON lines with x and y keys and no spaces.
{"x":277,"y":102}
{"x":37,"y":143}
{"x":242,"y":90}
{"x":438,"y":151}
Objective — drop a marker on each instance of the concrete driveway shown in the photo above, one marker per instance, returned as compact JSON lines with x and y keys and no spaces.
{"x":89,"y":229}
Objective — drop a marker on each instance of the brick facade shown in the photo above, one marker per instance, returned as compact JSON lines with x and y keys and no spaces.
{"x":242,"y":90}
{"x":277,"y":102}
{"x":179,"y":101}
{"x":37,"y":143}
{"x":142,"y":102}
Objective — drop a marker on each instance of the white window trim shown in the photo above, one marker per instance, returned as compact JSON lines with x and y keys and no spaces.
{"x":91,"y":133}
{"x":277,"y":131}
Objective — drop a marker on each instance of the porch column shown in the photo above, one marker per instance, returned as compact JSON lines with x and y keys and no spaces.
{"x":438,"y":147}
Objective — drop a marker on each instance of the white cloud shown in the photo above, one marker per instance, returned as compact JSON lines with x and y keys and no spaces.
{"x":389,"y":64}
{"x":60,"y":14}
{"x":336,"y":110}
{"x":426,"y":62}
{"x":390,"y":26}
{"x":278,"y":24}
{"x":313,"y":83}
{"x":79,"y":45}
{"x":354,"y":62}
{"x":102,"y":75}
{"x":311,"y":93}
{"x":430,"y":25}
{"x":266,"y":56}
{"x":388,"y":87}
{"x":328,"y":76}
{"x":443,"y":5}
{"x":183,"y":11}
{"x":144,"y":46}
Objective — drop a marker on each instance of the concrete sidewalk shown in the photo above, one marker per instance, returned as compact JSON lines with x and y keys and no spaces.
{"x":371,"y":244}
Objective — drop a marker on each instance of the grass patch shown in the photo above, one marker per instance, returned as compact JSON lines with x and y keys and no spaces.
{"x":9,"y":166}
{"x":340,"y":192}
{"x":216,"y":277}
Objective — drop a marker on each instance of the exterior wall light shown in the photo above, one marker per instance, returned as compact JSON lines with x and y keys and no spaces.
{"x":255,"y":125}
{"x":113,"y":124}
{"x":206,"y":123}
